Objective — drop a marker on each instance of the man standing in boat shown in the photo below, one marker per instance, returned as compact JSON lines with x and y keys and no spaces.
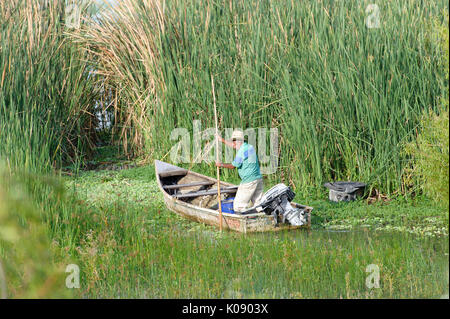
{"x":251,"y":187}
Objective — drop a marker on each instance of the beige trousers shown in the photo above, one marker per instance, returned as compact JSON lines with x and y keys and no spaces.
{"x":246,"y":193}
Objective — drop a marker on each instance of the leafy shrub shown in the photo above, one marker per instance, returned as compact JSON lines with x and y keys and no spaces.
{"x":430,"y":152}
{"x":430,"y":156}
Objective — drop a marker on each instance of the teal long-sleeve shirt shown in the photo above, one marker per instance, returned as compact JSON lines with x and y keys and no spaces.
{"x":246,"y":161}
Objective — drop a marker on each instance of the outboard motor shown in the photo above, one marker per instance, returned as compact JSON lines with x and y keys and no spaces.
{"x":276,"y":202}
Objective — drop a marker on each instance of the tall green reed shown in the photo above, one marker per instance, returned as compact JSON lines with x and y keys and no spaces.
{"x":46,"y":93}
{"x":344,"y":97}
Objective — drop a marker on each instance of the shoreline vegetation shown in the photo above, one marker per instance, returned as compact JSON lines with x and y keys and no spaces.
{"x":128,"y":245}
{"x":350,"y":103}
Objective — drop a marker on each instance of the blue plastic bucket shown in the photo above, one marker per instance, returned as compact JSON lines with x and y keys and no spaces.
{"x":227,"y":205}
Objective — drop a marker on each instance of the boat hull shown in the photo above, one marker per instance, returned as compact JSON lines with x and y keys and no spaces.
{"x":258,"y":222}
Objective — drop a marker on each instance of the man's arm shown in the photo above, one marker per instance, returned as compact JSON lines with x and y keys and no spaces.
{"x":219,"y":164}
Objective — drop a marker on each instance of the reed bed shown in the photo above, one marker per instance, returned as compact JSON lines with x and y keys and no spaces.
{"x":345,"y":97}
{"x":46,"y":93}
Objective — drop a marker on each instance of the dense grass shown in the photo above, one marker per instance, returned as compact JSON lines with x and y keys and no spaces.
{"x":344,"y":97}
{"x":46,"y":96}
{"x":46,"y":100}
{"x":128,"y":245}
{"x":27,"y":265}
{"x":132,"y":246}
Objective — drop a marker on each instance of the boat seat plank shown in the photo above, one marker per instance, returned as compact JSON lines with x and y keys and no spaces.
{"x":175,"y":172}
{"x":227,"y":190}
{"x":205,"y":183}
{"x":168,"y":170}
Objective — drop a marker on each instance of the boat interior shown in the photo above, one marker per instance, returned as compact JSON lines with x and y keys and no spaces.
{"x":192,"y":188}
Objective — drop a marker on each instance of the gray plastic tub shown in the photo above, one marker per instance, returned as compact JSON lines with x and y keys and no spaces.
{"x":345,"y":191}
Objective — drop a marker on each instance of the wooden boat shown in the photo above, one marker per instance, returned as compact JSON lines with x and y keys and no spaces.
{"x":192,"y":195}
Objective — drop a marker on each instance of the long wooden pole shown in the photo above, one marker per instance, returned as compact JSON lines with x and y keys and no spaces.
{"x":217,"y":155}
